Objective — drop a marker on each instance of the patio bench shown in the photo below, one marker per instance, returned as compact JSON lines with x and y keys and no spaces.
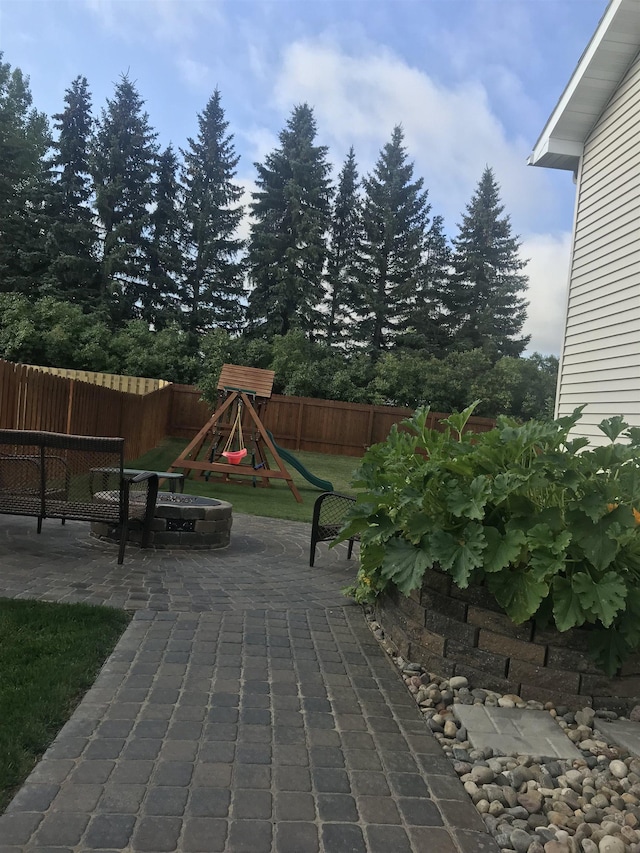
{"x":329,"y":513}
{"x":49,"y":475}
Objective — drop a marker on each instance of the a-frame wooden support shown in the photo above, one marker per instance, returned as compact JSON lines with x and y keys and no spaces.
{"x":237,"y":394}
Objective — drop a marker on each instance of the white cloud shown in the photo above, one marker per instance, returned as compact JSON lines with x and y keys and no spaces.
{"x":195,"y":74}
{"x":248,"y":186}
{"x":261,"y":142}
{"x":451,"y":132}
{"x":548,"y":271}
{"x":166,"y":20}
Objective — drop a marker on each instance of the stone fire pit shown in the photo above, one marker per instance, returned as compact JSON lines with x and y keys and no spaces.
{"x":180,"y":521}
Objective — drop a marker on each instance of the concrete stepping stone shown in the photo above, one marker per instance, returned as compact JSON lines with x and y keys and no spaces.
{"x":623,"y":733}
{"x":515,"y":730}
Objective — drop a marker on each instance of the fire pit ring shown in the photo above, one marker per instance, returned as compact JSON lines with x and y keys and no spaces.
{"x":179,"y":522}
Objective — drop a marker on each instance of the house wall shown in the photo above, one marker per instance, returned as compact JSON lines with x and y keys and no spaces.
{"x":601,"y":355}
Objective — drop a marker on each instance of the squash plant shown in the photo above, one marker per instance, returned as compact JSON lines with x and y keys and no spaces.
{"x":548,"y":524}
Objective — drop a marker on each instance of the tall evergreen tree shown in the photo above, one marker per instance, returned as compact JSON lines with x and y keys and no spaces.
{"x":287,"y":248}
{"x":72,"y":236}
{"x":484,"y":296}
{"x":214,"y":271}
{"x":161,"y":297}
{"x":395,"y":216}
{"x":427,"y":322}
{"x":345,"y":232}
{"x":123,"y":164}
{"x":24,"y":139}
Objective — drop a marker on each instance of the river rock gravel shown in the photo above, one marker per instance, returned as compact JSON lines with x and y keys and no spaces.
{"x":531,"y":804}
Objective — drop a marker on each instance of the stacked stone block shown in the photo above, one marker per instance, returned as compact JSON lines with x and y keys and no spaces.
{"x":179,"y":525}
{"x":453,"y":631}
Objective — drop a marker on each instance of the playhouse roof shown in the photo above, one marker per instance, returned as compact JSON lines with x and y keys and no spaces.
{"x":602,"y":66}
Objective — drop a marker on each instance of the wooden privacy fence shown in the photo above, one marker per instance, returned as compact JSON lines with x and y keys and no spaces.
{"x":32,"y":399}
{"x":305,"y":423}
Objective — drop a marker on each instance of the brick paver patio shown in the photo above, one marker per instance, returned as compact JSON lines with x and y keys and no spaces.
{"x":246,"y":708}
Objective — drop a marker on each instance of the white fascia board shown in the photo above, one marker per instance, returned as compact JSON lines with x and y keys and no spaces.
{"x":590,"y":88}
{"x":556,"y":153}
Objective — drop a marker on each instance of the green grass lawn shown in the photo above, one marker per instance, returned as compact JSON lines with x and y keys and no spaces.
{"x":275,"y":501}
{"x":50,"y":655}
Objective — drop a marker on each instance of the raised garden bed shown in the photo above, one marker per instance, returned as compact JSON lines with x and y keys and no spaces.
{"x":451,"y":631}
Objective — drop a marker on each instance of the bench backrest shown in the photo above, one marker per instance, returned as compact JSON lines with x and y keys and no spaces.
{"x":68,"y":468}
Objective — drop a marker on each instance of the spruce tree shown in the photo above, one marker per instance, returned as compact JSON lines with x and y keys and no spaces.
{"x":214,"y":273}
{"x":24,"y":139}
{"x":345,"y":232}
{"x":161,"y":297}
{"x":287,"y":248}
{"x":395,"y":216}
{"x":123,"y":165}
{"x":486,"y":308}
{"x":427,"y":322}
{"x":72,"y":236}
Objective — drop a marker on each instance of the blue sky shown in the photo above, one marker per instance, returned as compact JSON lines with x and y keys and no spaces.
{"x":471,"y":81}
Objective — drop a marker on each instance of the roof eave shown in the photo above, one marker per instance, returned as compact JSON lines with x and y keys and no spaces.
{"x":590,"y":88}
{"x":556,"y":153}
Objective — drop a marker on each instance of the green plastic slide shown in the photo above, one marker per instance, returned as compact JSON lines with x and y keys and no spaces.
{"x":290,"y":459}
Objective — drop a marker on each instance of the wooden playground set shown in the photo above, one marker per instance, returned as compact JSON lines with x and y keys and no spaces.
{"x":219,"y":449}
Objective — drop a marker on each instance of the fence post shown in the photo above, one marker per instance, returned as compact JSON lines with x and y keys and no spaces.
{"x":72,"y":385}
{"x":299,"y":428}
{"x":370,"y":427}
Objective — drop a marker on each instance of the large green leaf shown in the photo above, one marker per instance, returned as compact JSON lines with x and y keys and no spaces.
{"x":613,"y":427}
{"x":505,"y":484}
{"x":519,"y":593}
{"x":609,"y":649}
{"x":502,"y":549}
{"x":379,"y":528}
{"x":545,"y":566}
{"x":592,"y":504}
{"x":598,"y":547}
{"x":633,"y":434}
{"x":404,"y":564}
{"x":353,"y":527}
{"x":460,"y":554}
{"x":567,"y":608}
{"x":629,"y":621}
{"x":418,"y":524}
{"x":604,"y":598}
{"x":470,"y":500}
{"x":371,"y":557}
{"x":540,"y":536}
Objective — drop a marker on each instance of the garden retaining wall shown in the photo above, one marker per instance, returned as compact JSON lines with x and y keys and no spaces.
{"x":451,"y":631}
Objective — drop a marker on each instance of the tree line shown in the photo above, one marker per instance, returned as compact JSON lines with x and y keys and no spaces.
{"x":117,"y":255}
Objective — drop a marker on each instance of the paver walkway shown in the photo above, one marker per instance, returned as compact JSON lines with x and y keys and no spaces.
{"x":246,"y":708}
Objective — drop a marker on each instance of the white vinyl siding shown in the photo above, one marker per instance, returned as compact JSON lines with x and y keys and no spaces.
{"x":601,"y":355}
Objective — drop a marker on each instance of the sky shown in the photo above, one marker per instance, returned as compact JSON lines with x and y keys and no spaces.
{"x":472,"y":82}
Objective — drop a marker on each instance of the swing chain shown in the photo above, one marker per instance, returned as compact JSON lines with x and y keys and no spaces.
{"x":236,"y":428}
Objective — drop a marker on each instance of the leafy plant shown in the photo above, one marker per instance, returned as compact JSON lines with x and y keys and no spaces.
{"x":548,"y":524}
